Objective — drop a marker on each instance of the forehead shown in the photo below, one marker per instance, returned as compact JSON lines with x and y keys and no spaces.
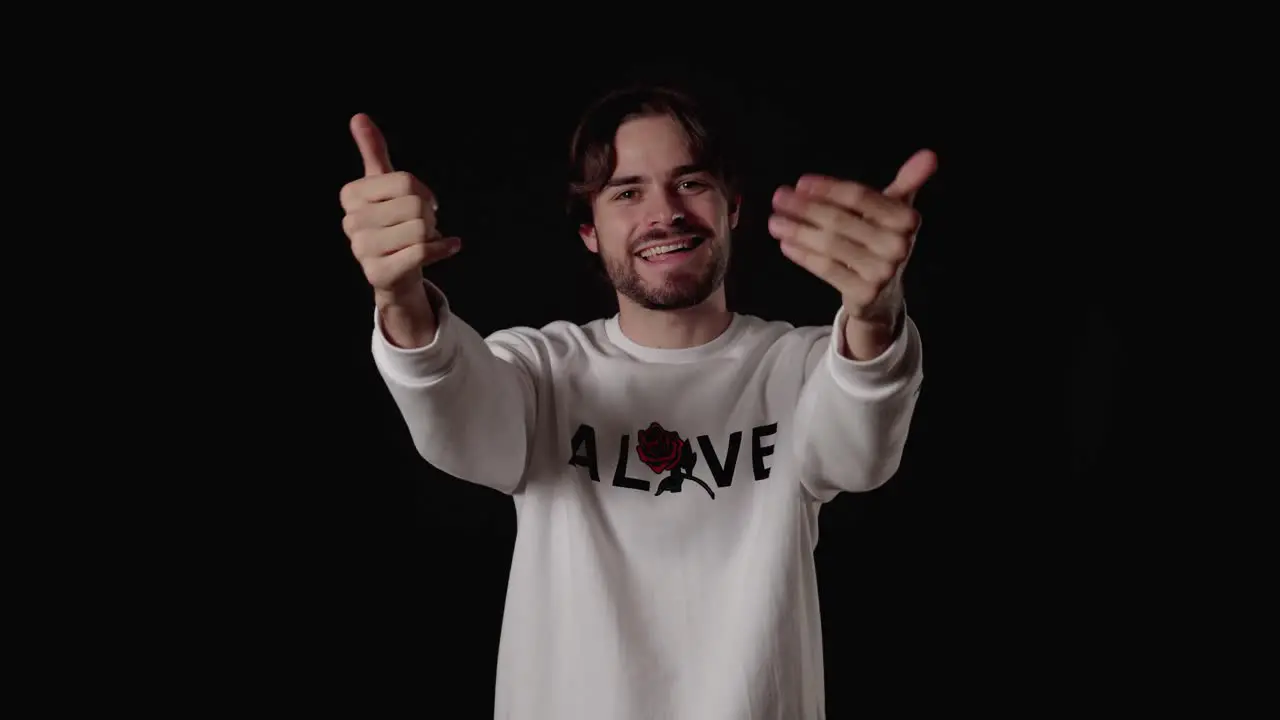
{"x":651,"y":146}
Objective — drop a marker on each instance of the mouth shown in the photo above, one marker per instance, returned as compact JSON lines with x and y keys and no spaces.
{"x":671,"y":250}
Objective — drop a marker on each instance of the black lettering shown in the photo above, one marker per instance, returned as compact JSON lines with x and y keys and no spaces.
{"x":620,"y":478}
{"x":723,"y":474}
{"x":586,"y":436}
{"x":759,"y":453}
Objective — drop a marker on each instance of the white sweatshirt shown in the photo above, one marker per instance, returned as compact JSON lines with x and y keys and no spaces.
{"x":667,"y":502}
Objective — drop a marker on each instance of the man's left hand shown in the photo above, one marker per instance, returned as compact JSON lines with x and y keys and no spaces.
{"x":858,"y":240}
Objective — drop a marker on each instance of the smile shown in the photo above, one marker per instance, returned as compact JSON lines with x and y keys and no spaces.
{"x":675,"y":246}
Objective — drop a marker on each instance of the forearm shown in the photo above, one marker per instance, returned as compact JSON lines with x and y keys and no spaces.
{"x":854,"y":416}
{"x":467,"y":409}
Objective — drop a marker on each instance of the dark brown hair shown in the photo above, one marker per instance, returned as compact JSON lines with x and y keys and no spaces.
{"x":593,"y":158}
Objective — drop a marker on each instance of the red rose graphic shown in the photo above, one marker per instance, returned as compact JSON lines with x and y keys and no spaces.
{"x":659,"y":449}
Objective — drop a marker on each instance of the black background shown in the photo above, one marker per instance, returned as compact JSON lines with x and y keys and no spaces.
{"x":955,"y":581}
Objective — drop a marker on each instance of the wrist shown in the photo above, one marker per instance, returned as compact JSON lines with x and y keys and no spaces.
{"x":407,"y":317}
{"x":868,"y":335}
{"x":408,"y":294}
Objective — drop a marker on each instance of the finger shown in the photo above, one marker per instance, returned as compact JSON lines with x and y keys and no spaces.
{"x":383,"y":271}
{"x":857,"y":258}
{"x":912,"y":176}
{"x":887,"y":244}
{"x":384,"y":187}
{"x":889,"y":213}
{"x":384,"y":241}
{"x":389,"y":213}
{"x":834,"y":273}
{"x":373,"y":146}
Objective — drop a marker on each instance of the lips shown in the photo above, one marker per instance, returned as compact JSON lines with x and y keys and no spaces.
{"x":669,"y":246}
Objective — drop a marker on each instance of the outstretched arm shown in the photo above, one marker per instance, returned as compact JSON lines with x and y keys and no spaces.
{"x":469,"y":403}
{"x":860,"y":392}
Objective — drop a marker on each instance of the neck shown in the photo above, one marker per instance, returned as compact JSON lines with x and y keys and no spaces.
{"x":674,"y":329}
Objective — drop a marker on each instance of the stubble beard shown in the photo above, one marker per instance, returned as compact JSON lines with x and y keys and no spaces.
{"x":682,"y":288}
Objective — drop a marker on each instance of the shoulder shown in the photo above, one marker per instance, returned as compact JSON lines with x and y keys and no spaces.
{"x":784,"y":349}
{"x":555,"y":342}
{"x":779,"y":335}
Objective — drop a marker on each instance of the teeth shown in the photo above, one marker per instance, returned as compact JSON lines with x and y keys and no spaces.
{"x":663,"y":249}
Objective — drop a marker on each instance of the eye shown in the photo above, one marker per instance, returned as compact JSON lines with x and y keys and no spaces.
{"x":626,"y":195}
{"x":692,"y":185}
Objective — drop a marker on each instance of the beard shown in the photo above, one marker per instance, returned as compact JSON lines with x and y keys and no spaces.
{"x":681,"y":288}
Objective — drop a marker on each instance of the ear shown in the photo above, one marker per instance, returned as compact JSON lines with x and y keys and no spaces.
{"x":735,"y":208}
{"x":588,"y":235}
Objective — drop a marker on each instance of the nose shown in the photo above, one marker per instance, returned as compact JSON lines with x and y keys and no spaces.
{"x":665,"y":209}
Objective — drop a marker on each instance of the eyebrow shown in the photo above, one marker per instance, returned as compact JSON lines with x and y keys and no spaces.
{"x":637,"y":179}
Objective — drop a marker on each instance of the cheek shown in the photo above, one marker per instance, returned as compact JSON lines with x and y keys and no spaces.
{"x":712,"y":211}
{"x":613,"y":234}
{"x":607,"y":243}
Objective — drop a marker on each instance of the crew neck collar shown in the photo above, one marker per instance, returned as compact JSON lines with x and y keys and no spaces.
{"x":613,"y":329}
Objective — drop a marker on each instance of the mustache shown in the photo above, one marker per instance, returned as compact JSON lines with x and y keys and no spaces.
{"x":684,"y":229}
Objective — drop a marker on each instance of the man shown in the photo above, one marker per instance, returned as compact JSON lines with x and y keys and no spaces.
{"x":668,"y":463}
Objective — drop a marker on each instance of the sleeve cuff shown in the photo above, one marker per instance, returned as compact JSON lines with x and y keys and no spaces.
{"x":421,"y":363}
{"x":886,"y":370}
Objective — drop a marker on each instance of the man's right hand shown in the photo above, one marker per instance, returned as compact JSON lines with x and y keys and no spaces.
{"x":391,"y":223}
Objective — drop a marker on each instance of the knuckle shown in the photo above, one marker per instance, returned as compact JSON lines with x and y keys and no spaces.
{"x":825,"y":215}
{"x":899,"y":249}
{"x":347,"y":196}
{"x":855,"y":192}
{"x":823,"y":242}
{"x":402,"y":182}
{"x":417,"y":228}
{"x":419,"y":208}
{"x":358,"y":221}
{"x":415,"y":206}
{"x":909,"y":221}
{"x":360,"y":243}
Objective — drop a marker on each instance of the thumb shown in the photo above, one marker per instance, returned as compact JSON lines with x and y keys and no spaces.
{"x":912,"y":176}
{"x":373,"y":147}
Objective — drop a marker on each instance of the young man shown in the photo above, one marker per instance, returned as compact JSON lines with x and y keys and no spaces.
{"x":668,"y":463}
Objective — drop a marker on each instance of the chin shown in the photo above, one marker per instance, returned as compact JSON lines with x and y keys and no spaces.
{"x":677,"y":280}
{"x":675,"y":289}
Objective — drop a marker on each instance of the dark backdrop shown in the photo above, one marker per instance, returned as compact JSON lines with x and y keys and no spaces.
{"x":952,"y":583}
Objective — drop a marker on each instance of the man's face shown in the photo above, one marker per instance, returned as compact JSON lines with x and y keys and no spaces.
{"x":661,"y":224}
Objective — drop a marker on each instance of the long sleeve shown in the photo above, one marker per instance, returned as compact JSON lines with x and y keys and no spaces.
{"x":469,"y":402}
{"x":853,"y":417}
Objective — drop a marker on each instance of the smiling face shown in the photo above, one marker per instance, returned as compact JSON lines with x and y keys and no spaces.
{"x":661,"y":224}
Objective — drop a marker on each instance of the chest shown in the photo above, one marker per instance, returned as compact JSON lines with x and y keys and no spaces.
{"x":714,"y":430}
